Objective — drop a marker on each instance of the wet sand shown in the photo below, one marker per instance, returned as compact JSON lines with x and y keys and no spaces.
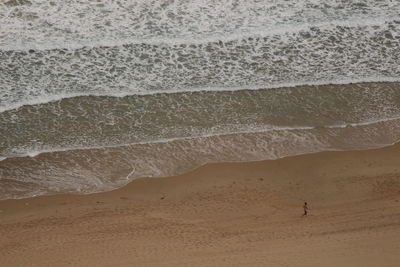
{"x":225,"y":214}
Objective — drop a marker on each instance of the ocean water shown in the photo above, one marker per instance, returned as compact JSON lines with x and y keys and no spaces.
{"x":94,"y":94}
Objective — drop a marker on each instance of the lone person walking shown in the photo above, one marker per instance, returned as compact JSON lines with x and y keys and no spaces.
{"x":305,"y":208}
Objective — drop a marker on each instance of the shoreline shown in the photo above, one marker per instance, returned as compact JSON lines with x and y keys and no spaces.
{"x":99,"y":170}
{"x":185,"y":172}
{"x":221,"y":214}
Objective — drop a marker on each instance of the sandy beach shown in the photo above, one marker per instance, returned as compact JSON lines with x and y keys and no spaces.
{"x":224,"y":214}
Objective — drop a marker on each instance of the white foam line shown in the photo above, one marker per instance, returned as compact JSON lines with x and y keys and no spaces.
{"x":365,"y":123}
{"x":59,"y":97}
{"x":54,"y":98}
{"x":127,"y":177}
{"x":262,"y":129}
{"x":201,"y":39}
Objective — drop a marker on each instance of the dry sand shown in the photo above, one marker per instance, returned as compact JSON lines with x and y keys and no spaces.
{"x":226,"y":214}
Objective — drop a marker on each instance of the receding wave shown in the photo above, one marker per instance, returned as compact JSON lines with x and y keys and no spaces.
{"x":246,"y":129}
{"x":94,"y":170}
